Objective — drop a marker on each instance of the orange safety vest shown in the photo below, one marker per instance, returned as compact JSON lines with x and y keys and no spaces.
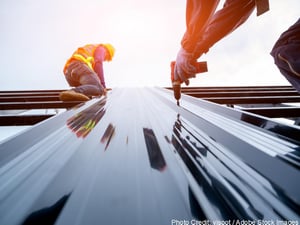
{"x":84,"y":54}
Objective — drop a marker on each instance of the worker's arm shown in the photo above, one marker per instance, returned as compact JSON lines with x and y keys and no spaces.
{"x":99,"y":57}
{"x":198,"y":13}
{"x":205,"y":27}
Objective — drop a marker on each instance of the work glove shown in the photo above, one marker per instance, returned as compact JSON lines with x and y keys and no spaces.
{"x":185,"y":66}
{"x":104,"y":91}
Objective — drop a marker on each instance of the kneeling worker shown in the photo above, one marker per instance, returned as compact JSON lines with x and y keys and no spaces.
{"x":84,"y":72}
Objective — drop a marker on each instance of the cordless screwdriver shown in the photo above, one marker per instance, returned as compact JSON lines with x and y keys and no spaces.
{"x":176,"y":84}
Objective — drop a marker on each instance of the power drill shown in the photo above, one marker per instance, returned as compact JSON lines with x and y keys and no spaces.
{"x":201,"y":68}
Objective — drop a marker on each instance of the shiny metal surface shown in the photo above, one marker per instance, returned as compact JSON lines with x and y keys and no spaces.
{"x":135,"y":157}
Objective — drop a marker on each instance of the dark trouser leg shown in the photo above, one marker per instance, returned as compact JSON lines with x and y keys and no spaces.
{"x":294,"y":80}
{"x":286,"y":53}
{"x":90,"y":85}
{"x":85,"y":80}
{"x":287,"y":59}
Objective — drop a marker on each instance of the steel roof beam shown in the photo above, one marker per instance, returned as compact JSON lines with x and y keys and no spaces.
{"x":29,"y":98}
{"x":254,"y":100}
{"x":237,"y":88}
{"x":275,"y":112}
{"x":20,"y":120}
{"x":37,"y":105}
{"x":224,"y":93}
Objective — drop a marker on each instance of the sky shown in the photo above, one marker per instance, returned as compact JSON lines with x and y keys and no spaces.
{"x":38,"y":36}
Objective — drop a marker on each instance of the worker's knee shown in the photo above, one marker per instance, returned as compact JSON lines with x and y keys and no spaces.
{"x":90,"y":78}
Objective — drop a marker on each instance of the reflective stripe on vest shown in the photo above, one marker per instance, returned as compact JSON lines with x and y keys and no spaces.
{"x":89,"y":60}
{"x":83,"y":54}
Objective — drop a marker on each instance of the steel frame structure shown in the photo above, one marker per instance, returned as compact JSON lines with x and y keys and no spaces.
{"x":135,"y":157}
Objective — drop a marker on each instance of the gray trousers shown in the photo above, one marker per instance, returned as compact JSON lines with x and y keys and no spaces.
{"x":83,"y":79}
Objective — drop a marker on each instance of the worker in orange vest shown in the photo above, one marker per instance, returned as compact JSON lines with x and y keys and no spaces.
{"x":84,"y":72}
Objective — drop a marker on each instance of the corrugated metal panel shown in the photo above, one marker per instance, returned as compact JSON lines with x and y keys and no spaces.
{"x":135,"y":157}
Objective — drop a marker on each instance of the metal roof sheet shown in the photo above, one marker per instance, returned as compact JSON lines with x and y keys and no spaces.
{"x":135,"y":157}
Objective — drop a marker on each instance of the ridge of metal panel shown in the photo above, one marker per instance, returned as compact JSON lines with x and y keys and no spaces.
{"x":135,"y":157}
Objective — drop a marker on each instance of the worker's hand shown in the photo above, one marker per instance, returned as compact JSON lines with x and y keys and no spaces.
{"x":104,"y":91}
{"x":184,"y":66}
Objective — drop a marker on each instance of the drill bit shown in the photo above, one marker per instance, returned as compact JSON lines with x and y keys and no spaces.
{"x":176,"y":84}
{"x":177,"y":90}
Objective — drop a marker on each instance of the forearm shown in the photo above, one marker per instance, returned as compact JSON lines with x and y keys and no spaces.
{"x":198,"y":13}
{"x":205,"y":28}
{"x":233,"y":14}
{"x":99,"y":56}
{"x":98,"y":67}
